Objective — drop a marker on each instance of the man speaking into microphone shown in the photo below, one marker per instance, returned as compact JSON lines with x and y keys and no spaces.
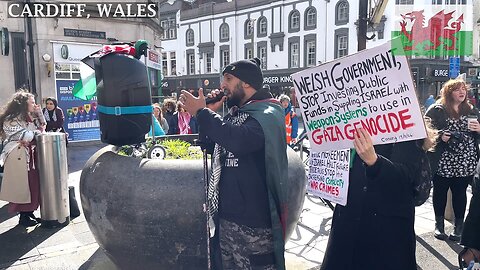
{"x":247,"y":195}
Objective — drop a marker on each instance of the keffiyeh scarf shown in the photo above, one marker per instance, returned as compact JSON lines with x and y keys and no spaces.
{"x":213,"y":189}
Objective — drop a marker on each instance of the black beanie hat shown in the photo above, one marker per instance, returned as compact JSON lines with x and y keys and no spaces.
{"x":248,"y":71}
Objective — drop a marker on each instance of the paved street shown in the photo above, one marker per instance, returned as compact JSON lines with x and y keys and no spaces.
{"x":74,"y":247}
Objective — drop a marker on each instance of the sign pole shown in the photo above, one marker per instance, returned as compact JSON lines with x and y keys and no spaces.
{"x":362,"y":24}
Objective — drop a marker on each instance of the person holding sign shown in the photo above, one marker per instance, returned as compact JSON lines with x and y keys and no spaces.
{"x":291,"y":119}
{"x":246,"y":189}
{"x":456,"y":154}
{"x":375,"y":230}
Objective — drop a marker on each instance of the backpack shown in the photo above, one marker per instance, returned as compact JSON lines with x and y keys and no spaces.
{"x":422,"y":184}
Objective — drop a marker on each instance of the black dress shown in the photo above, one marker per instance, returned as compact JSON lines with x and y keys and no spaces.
{"x":375,"y":230}
{"x":471,"y":229}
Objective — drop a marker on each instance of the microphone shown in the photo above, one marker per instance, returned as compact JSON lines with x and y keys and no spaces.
{"x":217,"y":98}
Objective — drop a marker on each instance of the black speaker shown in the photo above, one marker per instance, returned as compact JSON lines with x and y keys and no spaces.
{"x":124,"y":99}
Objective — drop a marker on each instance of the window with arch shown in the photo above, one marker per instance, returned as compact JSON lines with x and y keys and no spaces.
{"x":224,"y":32}
{"x":310,"y":18}
{"x":294,"y":21}
{"x":190,"y":37}
{"x":341,"y":12}
{"x":249,"y":26}
{"x":262,"y":27}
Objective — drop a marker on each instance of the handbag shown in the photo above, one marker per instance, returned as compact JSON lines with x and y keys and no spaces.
{"x":472,"y":265}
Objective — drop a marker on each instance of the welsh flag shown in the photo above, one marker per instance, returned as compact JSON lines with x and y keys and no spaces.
{"x":434,"y":30}
{"x":86,"y":87}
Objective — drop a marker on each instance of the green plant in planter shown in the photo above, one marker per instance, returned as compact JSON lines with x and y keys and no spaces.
{"x":175,"y":149}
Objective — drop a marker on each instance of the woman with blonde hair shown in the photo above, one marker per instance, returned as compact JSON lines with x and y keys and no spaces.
{"x":158,"y":113}
{"x":455,"y":155}
{"x":21,"y":120}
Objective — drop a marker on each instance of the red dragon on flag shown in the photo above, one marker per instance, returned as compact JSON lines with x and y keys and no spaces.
{"x":441,"y":33}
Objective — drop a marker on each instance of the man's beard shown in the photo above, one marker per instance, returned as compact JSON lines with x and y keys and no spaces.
{"x":238,"y":94}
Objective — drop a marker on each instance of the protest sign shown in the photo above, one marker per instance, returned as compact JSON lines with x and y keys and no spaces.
{"x":328,"y":175}
{"x":372,"y":89}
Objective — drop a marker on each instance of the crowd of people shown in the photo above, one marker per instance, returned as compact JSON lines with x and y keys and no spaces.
{"x":170,"y":118}
{"x":247,"y":202}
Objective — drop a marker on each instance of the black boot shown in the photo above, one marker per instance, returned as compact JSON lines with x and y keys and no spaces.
{"x":440,"y":228}
{"x":457,"y":230}
{"x":31,"y":215}
{"x":26,"y":220}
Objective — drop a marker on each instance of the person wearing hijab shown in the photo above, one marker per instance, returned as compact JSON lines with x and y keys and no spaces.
{"x":53,"y":115}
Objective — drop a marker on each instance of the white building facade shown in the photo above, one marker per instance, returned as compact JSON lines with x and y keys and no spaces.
{"x":288,"y":36}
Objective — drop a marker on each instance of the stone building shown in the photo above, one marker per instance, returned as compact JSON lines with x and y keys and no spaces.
{"x":35,"y":59}
{"x":43,"y":55}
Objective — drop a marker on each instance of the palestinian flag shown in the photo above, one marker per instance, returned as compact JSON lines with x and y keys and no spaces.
{"x":434,"y":30}
{"x":86,"y":87}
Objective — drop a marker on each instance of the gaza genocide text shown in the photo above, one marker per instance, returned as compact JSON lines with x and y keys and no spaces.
{"x":344,"y":93}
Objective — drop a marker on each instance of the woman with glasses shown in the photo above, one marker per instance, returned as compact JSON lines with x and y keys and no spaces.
{"x":455,"y":155}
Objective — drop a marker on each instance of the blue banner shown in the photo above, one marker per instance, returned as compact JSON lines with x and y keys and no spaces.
{"x":81,"y":120}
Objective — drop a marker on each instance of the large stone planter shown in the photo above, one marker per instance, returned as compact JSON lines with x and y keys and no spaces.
{"x":147,"y":214}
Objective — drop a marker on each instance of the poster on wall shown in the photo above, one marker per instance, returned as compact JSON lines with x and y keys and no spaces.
{"x":81,"y":120}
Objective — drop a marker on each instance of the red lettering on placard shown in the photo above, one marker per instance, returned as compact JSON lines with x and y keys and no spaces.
{"x":404,"y":117}
{"x":380,"y":124}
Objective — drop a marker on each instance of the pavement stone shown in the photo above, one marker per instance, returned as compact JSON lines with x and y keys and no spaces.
{"x":74,"y":247}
